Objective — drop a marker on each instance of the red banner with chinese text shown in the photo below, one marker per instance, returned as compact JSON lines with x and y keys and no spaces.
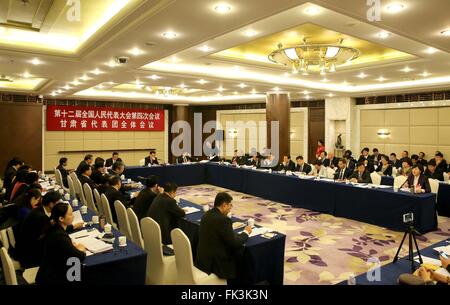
{"x":74,"y":118}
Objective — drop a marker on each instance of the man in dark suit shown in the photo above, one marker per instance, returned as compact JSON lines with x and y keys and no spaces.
{"x":376,"y":157}
{"x":115,"y":157}
{"x":422,"y":159}
{"x":343,"y":172}
{"x":366,"y":159}
{"x":64,"y":172}
{"x":145,"y":198}
{"x":98,"y":172}
{"x":434,"y":172}
{"x":237,"y":160}
{"x":151,"y":159}
{"x":394,"y":161}
{"x":10,"y":173}
{"x":418,"y":181}
{"x":165,"y":211}
{"x":29,"y":242}
{"x":361,"y":175}
{"x":184,"y":158}
{"x":302,"y":166}
{"x":440,"y":162}
{"x":88,"y":159}
{"x":85,"y":177}
{"x":113,"y":193}
{"x":254,"y":161}
{"x":405,"y":157}
{"x":287,"y":164}
{"x":218,"y":244}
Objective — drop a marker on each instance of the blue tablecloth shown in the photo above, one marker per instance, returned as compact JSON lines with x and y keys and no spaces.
{"x":262,"y":259}
{"x":375,"y":206}
{"x":391,"y":271}
{"x":443,"y":196}
{"x":122,"y":266}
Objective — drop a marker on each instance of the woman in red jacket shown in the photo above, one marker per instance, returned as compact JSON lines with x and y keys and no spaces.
{"x":320,"y":148}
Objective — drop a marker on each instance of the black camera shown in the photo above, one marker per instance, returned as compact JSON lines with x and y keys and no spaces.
{"x":408,"y":218}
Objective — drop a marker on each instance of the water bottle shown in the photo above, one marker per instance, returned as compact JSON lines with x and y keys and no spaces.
{"x":351,"y":279}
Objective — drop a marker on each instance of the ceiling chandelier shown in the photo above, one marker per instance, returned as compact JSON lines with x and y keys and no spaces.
{"x":313,"y":57}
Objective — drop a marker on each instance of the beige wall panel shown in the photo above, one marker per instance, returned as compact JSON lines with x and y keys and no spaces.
{"x":52,"y":147}
{"x":297,"y":133}
{"x":74,"y":135}
{"x":125,"y":135}
{"x":369,"y":135}
{"x":92,"y":135}
{"x":429,"y":150}
{"x":424,"y":117}
{"x":445,"y":150}
{"x":397,"y":117}
{"x":110,"y":135}
{"x":90,"y":145}
{"x":398,"y":135}
{"x":372,"y":118}
{"x":74,"y":145}
{"x":140,"y":144}
{"x":424,"y":135}
{"x":126,"y":144}
{"x":444,"y":135}
{"x":54,"y":135}
{"x":396,"y":148}
{"x":109,"y":144}
{"x":444,"y":116}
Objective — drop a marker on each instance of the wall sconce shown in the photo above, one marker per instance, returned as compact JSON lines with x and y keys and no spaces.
{"x":292,"y":134}
{"x":233,"y":133}
{"x":383,"y":133}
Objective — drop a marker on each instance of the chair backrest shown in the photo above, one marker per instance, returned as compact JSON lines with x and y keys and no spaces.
{"x":330,"y":172}
{"x":376,"y":178}
{"x":11,"y":237}
{"x":4,"y":238}
{"x":394,"y":171}
{"x":446,"y":177}
{"x":98,"y":201}
{"x":151,"y":233}
{"x":106,"y":209}
{"x":89,"y":198}
{"x":399,"y":181}
{"x":58,"y":177}
{"x":80,"y":192}
{"x":122,"y":219}
{"x":142,"y":162}
{"x":8,"y":267}
{"x":72,"y":191}
{"x":434,"y":185}
{"x":136,"y":234}
{"x":183,"y":257}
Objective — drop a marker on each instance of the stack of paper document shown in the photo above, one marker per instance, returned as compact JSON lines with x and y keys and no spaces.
{"x":307,"y":177}
{"x":445,"y":249}
{"x":84,"y":233}
{"x":364,"y":186}
{"x":429,"y":260}
{"x":77,"y":217}
{"x":204,"y":161}
{"x":94,"y":245}
{"x":190,"y":210}
{"x":259,"y":231}
{"x":381,"y":186}
{"x":327,"y":179}
{"x":238,"y":225}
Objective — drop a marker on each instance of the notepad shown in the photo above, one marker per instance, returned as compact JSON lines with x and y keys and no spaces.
{"x":94,"y":245}
{"x":446,"y":250}
{"x":190,"y":210}
{"x":84,"y":233}
{"x":238,"y":225}
{"x":429,"y":260}
{"x":259,"y":231}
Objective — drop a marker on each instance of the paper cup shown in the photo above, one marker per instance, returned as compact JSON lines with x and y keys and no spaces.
{"x":122,"y":177}
{"x":205,"y":208}
{"x":108,"y":228}
{"x":75,"y":202}
{"x":67,"y":196}
{"x":95,"y":219}
{"x":251,"y":222}
{"x":122,"y":241}
{"x":395,"y":189}
{"x":129,"y":180}
{"x":83,"y":209}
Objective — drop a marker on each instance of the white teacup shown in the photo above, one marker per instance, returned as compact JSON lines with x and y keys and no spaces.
{"x":67,"y":196}
{"x":61,"y":191}
{"x":395,"y":189}
{"x":108,"y":228}
{"x":95,"y":219}
{"x":251,"y":222}
{"x":122,"y":241}
{"x":122,"y":177}
{"x":129,"y":180}
{"x":206,"y":208}
{"x":75,"y":202}
{"x":83,"y":209}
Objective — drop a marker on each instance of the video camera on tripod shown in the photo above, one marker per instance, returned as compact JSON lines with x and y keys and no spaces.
{"x":411,"y":232}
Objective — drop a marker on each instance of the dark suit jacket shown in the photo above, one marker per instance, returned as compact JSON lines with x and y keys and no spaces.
{"x":64,"y":174}
{"x":85,"y":179}
{"x":143,"y":202}
{"x":238,"y":160}
{"x":289,"y":167}
{"x":387,"y":171}
{"x":58,"y":248}
{"x":97,"y":177}
{"x":152,"y":162}
{"x":78,"y":170}
{"x":183,"y":160}
{"x":306,"y":168}
{"x":256,"y":162}
{"x":346,"y":173}
{"x":9,"y":176}
{"x":165,"y":211}
{"x":443,"y":166}
{"x":331,"y":162}
{"x":112,"y":194}
{"x":369,"y":166}
{"x":217,"y":245}
{"x":438,"y":174}
{"x":365,"y":178}
{"x":423,"y":181}
{"x":109,"y":162}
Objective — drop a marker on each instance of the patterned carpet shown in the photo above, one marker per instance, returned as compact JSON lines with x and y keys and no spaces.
{"x":320,"y":248}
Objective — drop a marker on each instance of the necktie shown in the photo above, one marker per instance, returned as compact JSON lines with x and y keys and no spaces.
{"x":341,"y":176}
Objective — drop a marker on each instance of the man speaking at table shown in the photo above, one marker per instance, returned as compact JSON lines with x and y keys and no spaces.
{"x":218,"y":244}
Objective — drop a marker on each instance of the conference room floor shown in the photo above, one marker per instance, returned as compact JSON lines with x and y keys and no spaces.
{"x":320,"y":248}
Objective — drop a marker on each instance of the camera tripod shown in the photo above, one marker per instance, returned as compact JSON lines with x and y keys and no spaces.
{"x":411,"y":233}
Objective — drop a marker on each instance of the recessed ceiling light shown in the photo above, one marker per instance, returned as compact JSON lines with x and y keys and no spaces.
{"x":276,"y":89}
{"x":182,"y":86}
{"x":84,"y":77}
{"x":97,"y":71}
{"x":222,"y":8}
{"x":345,"y":83}
{"x":445,"y":33}
{"x":425,"y":74}
{"x":362,"y":75}
{"x":253,"y":91}
{"x":100,"y":86}
{"x":135,"y":51}
{"x":76,"y":82}
{"x":307,"y":97}
{"x":250,"y":33}
{"x":111,"y":64}
{"x":383,"y":35}
{"x":154,"y":77}
{"x":312,"y":10}
{"x":169,"y":35}
{"x":381,"y":79}
{"x":205,"y":48}
{"x":394,"y":7}
{"x":235,"y":93}
{"x":406,"y":69}
{"x":138,"y":82}
{"x":111,"y":83}
{"x":306,"y":92}
{"x":325,"y":80}
{"x":220,"y":89}
{"x":431,"y":50}
{"x":330,"y":94}
{"x":59,"y":91}
{"x":67,"y":87}
{"x":285,"y":74}
{"x":36,"y":61}
{"x":26,"y":75}
{"x":242,"y":85}
{"x":202,"y":81}
{"x":53,"y":93}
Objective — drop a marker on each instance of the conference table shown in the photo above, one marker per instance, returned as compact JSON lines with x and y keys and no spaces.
{"x":379,"y":206}
{"x":262,"y":259}
{"x":121,"y":266}
{"x":443,"y":195}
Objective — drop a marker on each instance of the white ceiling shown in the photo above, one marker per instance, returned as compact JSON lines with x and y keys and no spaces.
{"x":179,"y":61}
